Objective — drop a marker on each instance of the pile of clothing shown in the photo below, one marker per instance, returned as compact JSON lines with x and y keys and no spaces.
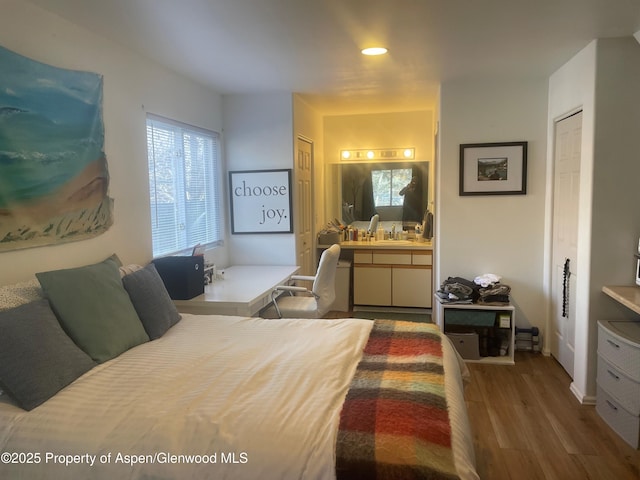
{"x":491,"y":291}
{"x":485,"y":289}
{"x":458,"y":290}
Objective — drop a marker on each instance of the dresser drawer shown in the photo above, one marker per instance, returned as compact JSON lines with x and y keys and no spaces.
{"x":624,"y":424}
{"x":625,"y":390}
{"x":623,"y":355}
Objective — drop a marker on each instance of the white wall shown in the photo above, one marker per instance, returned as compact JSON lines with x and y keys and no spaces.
{"x":616,"y":196}
{"x":572,"y":88}
{"x":604,"y":81}
{"x":493,"y":234}
{"x":132,"y":87}
{"x":258,"y":132}
{"x":375,"y":130}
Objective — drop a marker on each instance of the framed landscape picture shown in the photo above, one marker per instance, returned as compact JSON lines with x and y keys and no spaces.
{"x":493,"y":168}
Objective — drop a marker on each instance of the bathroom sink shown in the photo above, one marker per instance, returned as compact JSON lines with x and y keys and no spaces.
{"x":392,"y":242}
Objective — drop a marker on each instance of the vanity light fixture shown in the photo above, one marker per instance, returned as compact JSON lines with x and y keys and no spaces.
{"x":378,"y":154}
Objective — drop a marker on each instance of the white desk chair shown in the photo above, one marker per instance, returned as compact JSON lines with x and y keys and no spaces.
{"x":315,"y":303}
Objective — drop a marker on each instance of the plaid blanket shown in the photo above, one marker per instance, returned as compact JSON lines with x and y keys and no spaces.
{"x":394,"y":422}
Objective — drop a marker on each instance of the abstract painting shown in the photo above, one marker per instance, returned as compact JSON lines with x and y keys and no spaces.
{"x":53,"y":169}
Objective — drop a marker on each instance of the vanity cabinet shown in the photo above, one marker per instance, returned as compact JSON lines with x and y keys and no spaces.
{"x":396,"y":278}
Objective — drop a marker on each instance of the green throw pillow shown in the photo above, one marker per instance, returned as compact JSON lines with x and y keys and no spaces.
{"x":94,"y":308}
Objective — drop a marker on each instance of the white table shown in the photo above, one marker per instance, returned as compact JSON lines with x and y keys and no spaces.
{"x":244,"y":290}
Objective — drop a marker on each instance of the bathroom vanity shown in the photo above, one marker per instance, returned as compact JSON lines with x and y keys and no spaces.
{"x":391,"y":273}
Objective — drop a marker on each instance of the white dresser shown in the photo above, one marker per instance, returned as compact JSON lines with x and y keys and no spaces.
{"x":618,"y":378}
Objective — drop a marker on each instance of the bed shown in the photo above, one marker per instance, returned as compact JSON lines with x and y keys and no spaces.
{"x":224,"y":397}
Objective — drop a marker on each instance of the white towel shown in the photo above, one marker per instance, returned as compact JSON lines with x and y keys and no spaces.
{"x":486,"y":279}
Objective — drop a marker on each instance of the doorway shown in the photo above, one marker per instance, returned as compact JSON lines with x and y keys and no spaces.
{"x":303,"y":208}
{"x":566,"y":195}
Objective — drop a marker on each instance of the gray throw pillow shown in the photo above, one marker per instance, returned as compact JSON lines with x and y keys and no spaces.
{"x":94,"y":308}
{"x":37,"y":359}
{"x":151,"y":300}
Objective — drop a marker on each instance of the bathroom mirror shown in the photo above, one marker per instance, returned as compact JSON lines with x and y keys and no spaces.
{"x":396,"y":191}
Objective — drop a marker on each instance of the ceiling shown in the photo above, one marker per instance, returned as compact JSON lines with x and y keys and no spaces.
{"x":312,"y":47}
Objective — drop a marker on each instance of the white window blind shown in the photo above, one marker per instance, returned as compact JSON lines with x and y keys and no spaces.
{"x":184,"y":186}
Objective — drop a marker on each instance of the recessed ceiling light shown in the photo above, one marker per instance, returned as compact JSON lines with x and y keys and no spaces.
{"x":374,"y":51}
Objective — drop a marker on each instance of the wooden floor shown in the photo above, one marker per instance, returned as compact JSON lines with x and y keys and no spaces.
{"x":528,"y":425}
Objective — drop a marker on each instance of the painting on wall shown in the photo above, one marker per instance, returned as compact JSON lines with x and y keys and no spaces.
{"x":493,"y":168}
{"x":53,"y":169}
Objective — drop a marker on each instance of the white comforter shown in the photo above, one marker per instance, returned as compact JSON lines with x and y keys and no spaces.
{"x":216,"y":397}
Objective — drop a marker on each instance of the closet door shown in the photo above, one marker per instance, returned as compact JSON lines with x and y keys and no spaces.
{"x":566,"y":193}
{"x":303,"y":208}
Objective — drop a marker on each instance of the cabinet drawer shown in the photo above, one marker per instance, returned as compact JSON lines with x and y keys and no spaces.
{"x":621,"y":421}
{"x":421,"y":258}
{"x":391,"y":257}
{"x":364,"y":256}
{"x":619,"y":386}
{"x":619,"y":353}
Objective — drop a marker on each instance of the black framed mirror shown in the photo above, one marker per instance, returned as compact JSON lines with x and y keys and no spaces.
{"x":396,"y":191}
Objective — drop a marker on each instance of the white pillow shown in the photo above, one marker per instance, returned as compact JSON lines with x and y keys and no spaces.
{"x":127,"y":269}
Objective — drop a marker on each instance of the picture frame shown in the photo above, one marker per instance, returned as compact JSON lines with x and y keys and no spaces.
{"x":493,"y":168}
{"x":261,"y":201}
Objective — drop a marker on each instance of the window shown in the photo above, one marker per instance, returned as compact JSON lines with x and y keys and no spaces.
{"x":183,"y":186}
{"x":387,"y":185}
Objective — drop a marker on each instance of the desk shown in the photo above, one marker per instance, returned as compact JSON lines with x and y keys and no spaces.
{"x":244,"y":291}
{"x":627,"y":295}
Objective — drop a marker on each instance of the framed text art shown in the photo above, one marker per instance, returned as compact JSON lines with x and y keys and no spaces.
{"x":493,"y":168}
{"x":260,"y":201}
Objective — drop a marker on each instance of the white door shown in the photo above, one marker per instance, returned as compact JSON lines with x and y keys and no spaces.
{"x":568,"y":137}
{"x":303,"y":207}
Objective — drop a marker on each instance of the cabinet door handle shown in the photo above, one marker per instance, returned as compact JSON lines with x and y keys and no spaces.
{"x":613,"y":344}
{"x":612,"y":405}
{"x":613,"y":375}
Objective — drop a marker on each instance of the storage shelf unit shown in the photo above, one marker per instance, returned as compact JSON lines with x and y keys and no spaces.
{"x":456,"y":318}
